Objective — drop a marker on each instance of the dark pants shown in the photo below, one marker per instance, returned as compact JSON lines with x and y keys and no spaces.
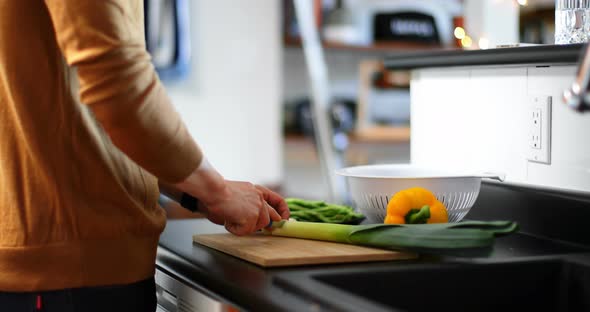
{"x":140,"y":296}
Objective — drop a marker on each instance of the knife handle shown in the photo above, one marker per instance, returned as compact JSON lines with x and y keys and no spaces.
{"x":189,"y":202}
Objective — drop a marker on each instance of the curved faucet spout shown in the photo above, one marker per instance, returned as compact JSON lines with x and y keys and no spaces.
{"x":578,"y":96}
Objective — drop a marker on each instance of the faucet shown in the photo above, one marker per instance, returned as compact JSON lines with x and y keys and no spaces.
{"x":578,"y":95}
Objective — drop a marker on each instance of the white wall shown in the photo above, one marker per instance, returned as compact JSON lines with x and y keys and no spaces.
{"x":477,"y":119}
{"x":232,"y":101}
{"x":495,"y":20}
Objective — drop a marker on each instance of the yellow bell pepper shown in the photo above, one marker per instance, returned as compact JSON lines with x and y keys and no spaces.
{"x":415,"y":205}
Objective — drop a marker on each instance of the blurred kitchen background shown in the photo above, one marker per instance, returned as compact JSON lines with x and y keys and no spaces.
{"x":237,"y":73}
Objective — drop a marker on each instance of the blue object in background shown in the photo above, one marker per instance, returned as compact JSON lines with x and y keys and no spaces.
{"x":167,"y":32}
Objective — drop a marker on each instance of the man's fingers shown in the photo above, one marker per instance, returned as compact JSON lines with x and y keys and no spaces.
{"x":283,"y":209}
{"x":263,"y":218}
{"x":276,"y":201}
{"x":273,"y":214}
{"x":236,"y":229}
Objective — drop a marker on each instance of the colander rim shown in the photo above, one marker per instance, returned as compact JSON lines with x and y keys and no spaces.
{"x":437,"y":173}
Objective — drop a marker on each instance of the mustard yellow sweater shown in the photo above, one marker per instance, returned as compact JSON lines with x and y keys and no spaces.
{"x":78,"y":182}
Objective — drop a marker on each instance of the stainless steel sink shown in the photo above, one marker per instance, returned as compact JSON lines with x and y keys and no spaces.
{"x":539,"y":285}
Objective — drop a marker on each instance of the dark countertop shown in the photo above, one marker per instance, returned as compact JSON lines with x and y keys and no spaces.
{"x":253,"y":288}
{"x":223,"y":277}
{"x":534,"y":55}
{"x":544,"y":236}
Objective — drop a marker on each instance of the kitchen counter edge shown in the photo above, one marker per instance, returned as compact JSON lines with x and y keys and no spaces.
{"x":536,"y":54}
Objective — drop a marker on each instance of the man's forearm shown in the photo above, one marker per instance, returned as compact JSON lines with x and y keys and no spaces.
{"x":104,"y":40}
{"x":204,"y":183}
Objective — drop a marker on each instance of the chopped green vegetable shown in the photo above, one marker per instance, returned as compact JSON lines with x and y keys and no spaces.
{"x":320,"y":211}
{"x":436,"y":237}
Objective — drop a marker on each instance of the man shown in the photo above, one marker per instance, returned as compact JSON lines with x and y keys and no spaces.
{"x":79,"y":219}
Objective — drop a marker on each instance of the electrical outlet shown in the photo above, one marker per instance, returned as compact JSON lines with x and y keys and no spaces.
{"x":539,"y":129}
{"x":535,"y":128}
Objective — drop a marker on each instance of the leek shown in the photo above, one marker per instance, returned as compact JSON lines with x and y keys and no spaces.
{"x":436,"y":237}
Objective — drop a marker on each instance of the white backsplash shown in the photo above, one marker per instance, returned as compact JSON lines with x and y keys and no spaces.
{"x":476,"y":118}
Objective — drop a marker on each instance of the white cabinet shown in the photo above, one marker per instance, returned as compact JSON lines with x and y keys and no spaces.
{"x":477,"y":118}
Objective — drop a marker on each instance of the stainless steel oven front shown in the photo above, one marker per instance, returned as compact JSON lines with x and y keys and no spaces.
{"x":175,"y":296}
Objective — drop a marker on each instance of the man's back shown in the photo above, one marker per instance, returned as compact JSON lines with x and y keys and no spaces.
{"x":74,"y":210}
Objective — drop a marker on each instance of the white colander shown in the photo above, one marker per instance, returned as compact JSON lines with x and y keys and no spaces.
{"x":372,"y":186}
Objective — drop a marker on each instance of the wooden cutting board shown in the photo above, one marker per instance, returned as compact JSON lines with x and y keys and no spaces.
{"x":274,"y":251}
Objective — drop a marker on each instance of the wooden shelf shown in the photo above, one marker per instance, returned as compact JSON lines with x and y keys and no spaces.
{"x":383,"y":134}
{"x":377,"y":134}
{"x":378,"y":47}
{"x":372,"y":146}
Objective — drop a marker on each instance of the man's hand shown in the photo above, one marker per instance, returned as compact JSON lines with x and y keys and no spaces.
{"x":241,"y":206}
{"x":246,"y":208}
